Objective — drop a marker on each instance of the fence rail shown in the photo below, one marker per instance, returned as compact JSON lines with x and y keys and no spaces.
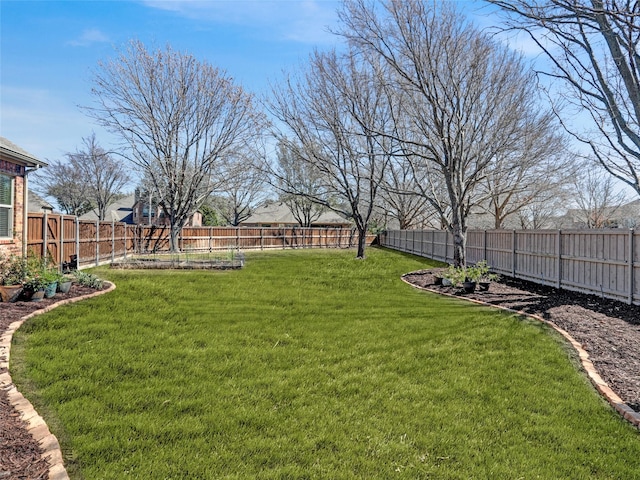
{"x":602,"y":262}
{"x":63,"y":237}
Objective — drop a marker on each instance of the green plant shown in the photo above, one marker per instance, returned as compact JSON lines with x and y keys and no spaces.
{"x":35,"y":281}
{"x":88,"y":280}
{"x":13,"y":270}
{"x":476,"y":272}
{"x":40,"y":272}
{"x":52,"y":276}
{"x":456,"y":275}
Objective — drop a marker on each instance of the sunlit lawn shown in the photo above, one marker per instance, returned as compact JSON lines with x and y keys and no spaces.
{"x":312,"y":364}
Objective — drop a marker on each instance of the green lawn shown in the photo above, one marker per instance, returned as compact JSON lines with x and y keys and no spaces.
{"x":312,"y":364}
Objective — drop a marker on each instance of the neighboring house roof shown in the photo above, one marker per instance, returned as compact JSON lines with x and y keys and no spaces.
{"x":37,"y":204}
{"x":19,"y":155}
{"x":119,"y":211}
{"x":280,"y":214}
{"x":623,"y":216}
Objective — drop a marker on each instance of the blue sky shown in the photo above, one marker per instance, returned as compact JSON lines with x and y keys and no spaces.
{"x":48,"y":50}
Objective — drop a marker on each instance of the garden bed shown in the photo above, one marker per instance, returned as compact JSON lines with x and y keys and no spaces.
{"x":227,"y":261}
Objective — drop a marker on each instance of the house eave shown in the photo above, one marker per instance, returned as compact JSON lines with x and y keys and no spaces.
{"x":21,"y":158}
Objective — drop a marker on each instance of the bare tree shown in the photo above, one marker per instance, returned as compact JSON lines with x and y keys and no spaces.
{"x":545,"y":211}
{"x":66,"y":184}
{"x":90,"y":179}
{"x":332,"y":114}
{"x":179,"y":119}
{"x":399,"y":197}
{"x":466,"y":97}
{"x":240,"y":188}
{"x":536,"y":167}
{"x":593,"y":49}
{"x":105,"y":175}
{"x":597,"y":198}
{"x":292,"y":171}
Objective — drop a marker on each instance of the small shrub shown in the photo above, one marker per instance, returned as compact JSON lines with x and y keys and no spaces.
{"x":13,"y":270}
{"x":88,"y":280}
{"x":476,"y":273}
{"x":456,"y":275}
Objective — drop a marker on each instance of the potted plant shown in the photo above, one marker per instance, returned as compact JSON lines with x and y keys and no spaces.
{"x":64,"y":284}
{"x":52,"y":278}
{"x":480,"y":274}
{"x":13,"y":270}
{"x":34,"y":285}
{"x":39,"y":276}
{"x":453,"y":276}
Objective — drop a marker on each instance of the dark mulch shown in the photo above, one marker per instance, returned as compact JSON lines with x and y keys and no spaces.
{"x":20,"y":455}
{"x":607,"y":329}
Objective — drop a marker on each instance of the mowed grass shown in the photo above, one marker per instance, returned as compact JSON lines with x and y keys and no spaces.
{"x":312,"y":364}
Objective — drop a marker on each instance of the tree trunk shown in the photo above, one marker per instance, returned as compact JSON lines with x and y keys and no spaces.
{"x":174,"y":238}
{"x":459,"y":240}
{"x":362,"y":240}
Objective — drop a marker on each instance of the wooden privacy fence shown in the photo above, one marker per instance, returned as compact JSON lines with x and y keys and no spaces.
{"x":602,"y":262}
{"x":64,"y":237}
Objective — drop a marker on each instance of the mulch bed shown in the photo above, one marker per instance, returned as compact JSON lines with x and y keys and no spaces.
{"x":608,"y":330}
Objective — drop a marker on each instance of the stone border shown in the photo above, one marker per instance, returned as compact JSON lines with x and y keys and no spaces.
{"x":36,"y":425}
{"x":601,"y":386}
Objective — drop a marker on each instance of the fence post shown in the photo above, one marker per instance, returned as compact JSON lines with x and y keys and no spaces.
{"x":559,"y":260}
{"x":61,"y":237}
{"x":630,"y":254}
{"x":97,"y":242}
{"x":125,"y":240}
{"x":433,"y":241}
{"x":113,"y":240}
{"x":45,"y":234}
{"x":77,"y":243}
{"x":484,"y":246}
{"x":513,"y":258}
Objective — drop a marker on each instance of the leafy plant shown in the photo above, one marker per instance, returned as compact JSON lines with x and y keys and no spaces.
{"x":475,"y":273}
{"x":13,"y":270}
{"x":40,"y":272}
{"x":36,"y":281}
{"x":456,"y":275}
{"x":88,"y":280}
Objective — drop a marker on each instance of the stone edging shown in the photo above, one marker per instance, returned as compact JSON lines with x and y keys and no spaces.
{"x":36,"y":425}
{"x":616,"y":402}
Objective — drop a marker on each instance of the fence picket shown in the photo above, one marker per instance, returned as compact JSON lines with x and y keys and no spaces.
{"x":601,"y":262}
{"x":95,"y":242}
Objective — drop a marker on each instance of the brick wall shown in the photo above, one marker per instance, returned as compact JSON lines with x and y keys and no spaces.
{"x":15,"y":245}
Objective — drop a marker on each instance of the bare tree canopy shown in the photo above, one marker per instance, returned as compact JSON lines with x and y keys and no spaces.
{"x":91,"y":178}
{"x":179,"y":119}
{"x":593,"y":48}
{"x":536,"y":167}
{"x":105,"y":175}
{"x":466,"y":99}
{"x":302,"y":178}
{"x":240,"y":187}
{"x":331,"y":114}
{"x":65,"y":183}
{"x":400,"y":198}
{"x":597,"y":199}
